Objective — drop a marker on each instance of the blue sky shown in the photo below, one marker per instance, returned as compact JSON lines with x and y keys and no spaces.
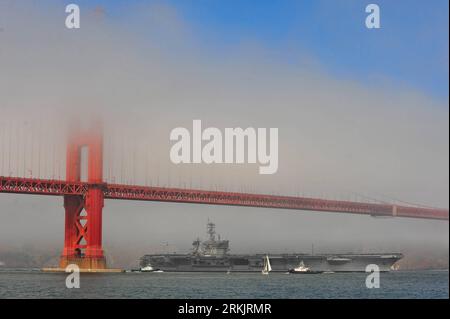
{"x":410,"y":49}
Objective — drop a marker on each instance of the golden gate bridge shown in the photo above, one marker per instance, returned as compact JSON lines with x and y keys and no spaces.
{"x":84,"y":200}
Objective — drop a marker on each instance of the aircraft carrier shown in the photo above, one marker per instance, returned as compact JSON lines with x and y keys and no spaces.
{"x":212,"y":255}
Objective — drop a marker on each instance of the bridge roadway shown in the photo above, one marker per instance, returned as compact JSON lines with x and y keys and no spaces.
{"x":196,"y":196}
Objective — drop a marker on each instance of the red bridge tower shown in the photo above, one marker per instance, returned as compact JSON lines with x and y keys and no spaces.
{"x":83,"y":214}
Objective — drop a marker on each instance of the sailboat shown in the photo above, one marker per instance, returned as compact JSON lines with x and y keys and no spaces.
{"x":267,"y":268}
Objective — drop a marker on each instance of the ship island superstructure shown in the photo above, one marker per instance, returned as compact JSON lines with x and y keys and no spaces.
{"x":213,"y":255}
{"x":213,"y":246}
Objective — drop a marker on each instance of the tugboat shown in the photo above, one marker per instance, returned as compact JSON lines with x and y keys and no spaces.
{"x":302,"y":269}
{"x":149,"y":268}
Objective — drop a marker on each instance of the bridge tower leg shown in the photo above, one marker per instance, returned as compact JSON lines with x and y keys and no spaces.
{"x":83,"y":214}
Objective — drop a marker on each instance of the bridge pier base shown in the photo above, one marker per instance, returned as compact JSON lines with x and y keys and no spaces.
{"x":84,"y":263}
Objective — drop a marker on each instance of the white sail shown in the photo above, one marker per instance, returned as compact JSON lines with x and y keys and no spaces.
{"x":267,"y":266}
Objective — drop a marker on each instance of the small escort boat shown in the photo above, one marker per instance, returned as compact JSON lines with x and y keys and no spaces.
{"x":149,"y":268}
{"x":302,"y":269}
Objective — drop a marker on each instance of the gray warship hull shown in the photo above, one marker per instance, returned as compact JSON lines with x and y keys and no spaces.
{"x":212,"y":255}
{"x":279,"y":262}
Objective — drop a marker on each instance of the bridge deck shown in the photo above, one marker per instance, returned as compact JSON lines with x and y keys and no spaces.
{"x":127,"y":192}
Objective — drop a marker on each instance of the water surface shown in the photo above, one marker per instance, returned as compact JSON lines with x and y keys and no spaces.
{"x":398,"y":284}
